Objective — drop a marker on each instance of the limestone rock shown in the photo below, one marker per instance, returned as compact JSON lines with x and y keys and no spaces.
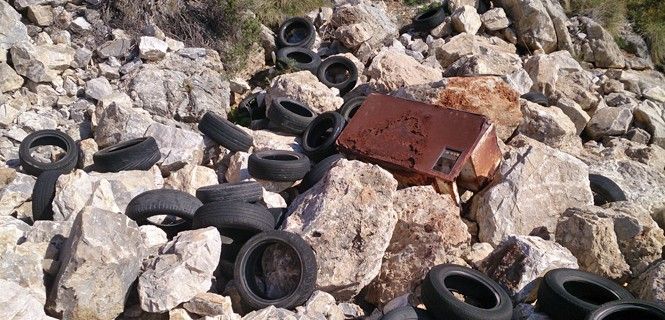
{"x":98,"y":88}
{"x":606,"y":52}
{"x":348,"y":255}
{"x":589,"y":234}
{"x":12,"y":231}
{"x":575,"y":113}
{"x":651,"y":116}
{"x":267,"y":140}
{"x":519,"y":261}
{"x":237,"y":170}
{"x":270,"y":313}
{"x":18,"y":303}
{"x":51,"y":235}
{"x":16,"y":193}
{"x":429,"y":232}
{"x":533,"y":23}
{"x":40,"y":15}
{"x":41,"y":63}
{"x":550,"y":126}
{"x":534,"y":185}
{"x":466,"y":19}
{"x":153,"y":237}
{"x":304,"y":87}
{"x":151,"y":48}
{"x":467,"y":44}
{"x":118,"y":123}
{"x":22,"y":264}
{"x":182,"y":270}
{"x":321,"y":304}
{"x":610,"y":121}
{"x":190,"y":178}
{"x":100,"y":261}
{"x":178,"y":146}
{"x":11,"y":81}
{"x":495,"y":19}
{"x":391,"y":69}
{"x":650,"y":285}
{"x":210,"y":304}
{"x":13,"y":31}
{"x":656,"y":94}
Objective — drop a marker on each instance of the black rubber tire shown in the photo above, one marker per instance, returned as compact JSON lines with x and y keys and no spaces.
{"x":224,"y":132}
{"x":319,"y":171}
{"x":254,"y":106}
{"x":407,"y":313}
{"x":246,"y":191}
{"x":135,"y":154}
{"x":42,"y":195}
{"x":339,"y":62}
{"x":245,"y":270}
{"x":443,"y":305}
{"x":429,"y":19}
{"x":305,"y":25}
{"x":164,"y":202}
{"x":349,"y":108}
{"x":570,"y":294}
{"x":233,"y":215}
{"x":318,"y":141}
{"x":605,"y":190}
{"x":629,"y":310}
{"x":278,"y":165}
{"x":34,"y":167}
{"x":298,"y":59}
{"x":536,"y":97}
{"x":290,"y":116}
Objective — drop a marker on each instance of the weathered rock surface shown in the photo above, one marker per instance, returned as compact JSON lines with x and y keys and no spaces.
{"x":534,"y":185}
{"x":538,"y":23}
{"x":16,"y":193}
{"x":429,"y":232}
{"x":22,"y":264}
{"x":18,"y":303}
{"x":521,"y":260}
{"x":550,"y":126}
{"x":651,"y":116}
{"x":605,"y":51}
{"x":41,"y":63}
{"x":11,"y":80}
{"x":467,"y":44}
{"x":190,"y":178}
{"x":210,"y":304}
{"x":391,"y":69}
{"x":98,"y":88}
{"x":466,"y":19}
{"x":120,"y":123}
{"x":13,"y":31}
{"x":178,"y":147}
{"x":182,"y":270}
{"x":306,"y":88}
{"x":151,"y":48}
{"x":650,"y":285}
{"x":100,"y":261}
{"x":348,"y":255}
{"x":609,"y":121}
{"x":495,"y":19}
{"x":575,"y":113}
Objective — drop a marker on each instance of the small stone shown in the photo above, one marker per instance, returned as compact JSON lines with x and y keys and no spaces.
{"x":117,"y":47}
{"x":80,"y":25}
{"x":392,"y":69}
{"x":477,"y":253}
{"x":324,"y":304}
{"x":610,"y":121}
{"x":638,"y":135}
{"x":152,"y":49}
{"x":82,"y":58}
{"x":270,"y":313}
{"x":495,"y":19}
{"x":210,"y":304}
{"x":40,"y":15}
{"x":466,"y":19}
{"x":549,"y":126}
{"x":237,"y":170}
{"x":153,"y":237}
{"x":174,"y":45}
{"x":575,"y":113}
{"x":304,"y":87}
{"x":190,"y":178}
{"x":98,"y":88}
{"x":443,"y":30}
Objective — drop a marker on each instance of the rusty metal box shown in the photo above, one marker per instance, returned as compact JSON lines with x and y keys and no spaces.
{"x":422,"y":143}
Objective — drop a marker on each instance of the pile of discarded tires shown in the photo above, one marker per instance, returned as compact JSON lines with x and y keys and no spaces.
{"x":563,"y":294}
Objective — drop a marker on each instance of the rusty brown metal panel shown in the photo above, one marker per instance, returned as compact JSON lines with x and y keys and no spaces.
{"x":421,"y":143}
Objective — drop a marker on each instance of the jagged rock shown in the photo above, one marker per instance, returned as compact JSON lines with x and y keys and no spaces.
{"x":534,"y":185}
{"x":40,"y":15}
{"x":42,"y":63}
{"x":118,"y":47}
{"x":12,"y":231}
{"x":539,"y":24}
{"x":13,"y":31}
{"x":98,"y":88}
{"x":237,"y":170}
{"x":391,"y":69}
{"x":609,"y":121}
{"x":267,"y":140}
{"x":210,"y":304}
{"x":153,"y":238}
{"x":190,"y":178}
{"x":178,"y":146}
{"x":304,"y":87}
{"x":182,"y":270}
{"x":444,"y":30}
{"x":497,"y":63}
{"x":16,"y":193}
{"x":22,"y":264}
{"x":495,"y":19}
{"x":638,"y":135}
{"x":10,"y":80}
{"x":107,"y":191}
{"x":120,"y":123}
{"x":650,"y":285}
{"x":100,"y":261}
{"x":270,"y":313}
{"x":477,"y":253}
{"x":651,"y":116}
{"x":321,"y":304}
{"x":18,"y":303}
{"x":575,"y":113}
{"x":486,"y":95}
{"x":87,"y":148}
{"x":655,"y":93}
{"x":466,"y":19}
{"x":151,"y":48}
{"x":429,"y":232}
{"x":52,"y":236}
{"x":364,"y":27}
{"x":349,"y":254}
{"x":519,"y":261}
{"x":550,"y":126}
{"x":606,"y":52}
{"x":589,"y":234}
{"x":620,"y":148}
{"x":467,"y":44}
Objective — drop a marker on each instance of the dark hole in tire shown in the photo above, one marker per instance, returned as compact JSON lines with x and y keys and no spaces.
{"x":299,"y":57}
{"x":320,"y":133}
{"x":297,"y":109}
{"x":243,"y":117}
{"x":281,"y":157}
{"x":273,"y":271}
{"x":633,"y":314}
{"x":475,"y":292}
{"x":428,"y":14}
{"x":337,"y":73}
{"x":296,"y":32}
{"x":589,"y":292}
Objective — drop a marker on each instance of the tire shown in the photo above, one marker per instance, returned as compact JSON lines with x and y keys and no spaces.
{"x":48,"y":138}
{"x":407,"y":313}
{"x":254,"y":106}
{"x":319,"y":171}
{"x":278,"y":165}
{"x":290,"y":116}
{"x":569,"y":294}
{"x":429,"y":19}
{"x":164,"y":202}
{"x":232,"y":216}
{"x":297,"y":59}
{"x":42,"y":195}
{"x":332,"y":67}
{"x":248,"y":266}
{"x":296,"y":32}
{"x":318,"y":141}
{"x":536,"y":97}
{"x":227,"y":134}
{"x":247,"y":191}
{"x":349,"y":108}
{"x":135,"y":154}
{"x":605,"y":190}
{"x":495,"y":303}
{"x":629,"y":309}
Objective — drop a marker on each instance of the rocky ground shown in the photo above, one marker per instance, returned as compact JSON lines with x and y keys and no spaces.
{"x":62,"y":67}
